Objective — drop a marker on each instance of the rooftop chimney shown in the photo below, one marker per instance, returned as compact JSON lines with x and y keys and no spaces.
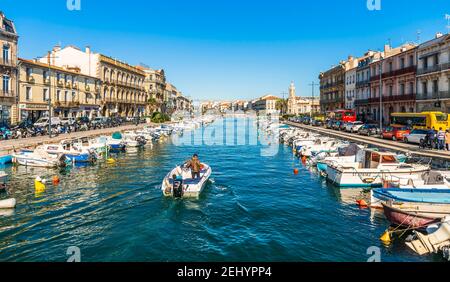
{"x":439,"y":34}
{"x":88,"y":50}
{"x":57,"y":48}
{"x":387,"y":48}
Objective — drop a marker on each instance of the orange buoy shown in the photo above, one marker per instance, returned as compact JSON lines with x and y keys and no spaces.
{"x":295,"y":171}
{"x":362,"y":203}
{"x":55,"y":180}
{"x":304,"y":159}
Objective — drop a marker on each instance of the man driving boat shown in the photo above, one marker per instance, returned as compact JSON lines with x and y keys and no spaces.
{"x":195,"y":166}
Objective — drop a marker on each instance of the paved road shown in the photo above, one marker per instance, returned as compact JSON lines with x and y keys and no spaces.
{"x":383,"y":143}
{"x":8,"y":146}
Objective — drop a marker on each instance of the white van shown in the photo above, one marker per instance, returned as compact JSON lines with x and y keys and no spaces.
{"x":43,"y":122}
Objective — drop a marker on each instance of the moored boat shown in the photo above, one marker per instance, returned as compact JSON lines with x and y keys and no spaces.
{"x":431,"y":188}
{"x":371,"y":168}
{"x":414,"y":215}
{"x":39,"y":158}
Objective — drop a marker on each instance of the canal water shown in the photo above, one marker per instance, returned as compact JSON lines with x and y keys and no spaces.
{"x":253,"y":209}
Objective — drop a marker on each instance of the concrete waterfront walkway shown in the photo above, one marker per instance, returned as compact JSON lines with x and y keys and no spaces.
{"x":8,"y":146}
{"x":413,"y":149}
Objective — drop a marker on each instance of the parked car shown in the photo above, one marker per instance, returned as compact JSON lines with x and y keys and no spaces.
{"x":415,"y":136}
{"x":67,"y":120}
{"x":43,"y":122}
{"x":83,"y":120}
{"x":395,"y":132}
{"x":316,"y":122}
{"x":99,"y":121}
{"x":353,"y":126}
{"x":369,"y":130}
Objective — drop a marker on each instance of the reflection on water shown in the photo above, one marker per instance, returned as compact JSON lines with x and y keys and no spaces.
{"x":253,"y":209}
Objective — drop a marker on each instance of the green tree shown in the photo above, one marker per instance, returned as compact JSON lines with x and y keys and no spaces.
{"x":282,"y":105}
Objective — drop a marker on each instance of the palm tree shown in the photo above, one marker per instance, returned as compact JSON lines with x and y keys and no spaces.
{"x":282,"y":105}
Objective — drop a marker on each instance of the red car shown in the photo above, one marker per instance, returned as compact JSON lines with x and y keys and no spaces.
{"x":395,"y":132}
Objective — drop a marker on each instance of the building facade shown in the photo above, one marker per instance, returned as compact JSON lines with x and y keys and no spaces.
{"x":301,"y":105}
{"x":67,"y":92}
{"x":155,"y":85}
{"x":433,"y":75}
{"x":332,"y":88}
{"x":122,"y":85}
{"x":266,"y":104}
{"x":398,"y":82}
{"x":8,"y":71}
{"x":362,"y":86}
{"x":350,"y":83}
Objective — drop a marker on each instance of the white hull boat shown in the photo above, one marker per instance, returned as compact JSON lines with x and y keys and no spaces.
{"x":8,"y":203}
{"x":179,"y":183}
{"x":39,"y":158}
{"x":371,"y":171}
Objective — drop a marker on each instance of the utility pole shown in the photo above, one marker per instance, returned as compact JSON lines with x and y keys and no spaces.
{"x":312,"y":84}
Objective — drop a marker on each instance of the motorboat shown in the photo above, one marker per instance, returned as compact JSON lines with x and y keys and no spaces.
{"x":115,"y":142}
{"x":370,"y":168}
{"x":39,"y":158}
{"x":133,"y":140}
{"x":73,"y":153}
{"x":179,"y":183}
{"x":410,"y":189}
{"x":416,"y":215}
{"x":436,"y":241}
{"x":96,"y":145}
{"x":344,"y":155}
{"x":319,"y":146}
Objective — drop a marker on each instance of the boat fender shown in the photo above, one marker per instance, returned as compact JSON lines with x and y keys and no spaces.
{"x":55,"y":180}
{"x":362,"y":203}
{"x":386,"y":237}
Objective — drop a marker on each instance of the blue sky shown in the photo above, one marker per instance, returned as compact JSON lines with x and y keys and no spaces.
{"x":227,"y":49}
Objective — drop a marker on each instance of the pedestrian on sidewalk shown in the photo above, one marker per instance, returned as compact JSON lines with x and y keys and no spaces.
{"x":441,"y":139}
{"x":447,"y":139}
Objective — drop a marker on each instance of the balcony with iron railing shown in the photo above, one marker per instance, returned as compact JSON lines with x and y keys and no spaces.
{"x":435,"y":68}
{"x":67,"y":104}
{"x":388,"y":74}
{"x":437,"y":95}
{"x":7,"y":93}
{"x":8,"y":63}
{"x":392,"y":98}
{"x":30,"y":79}
{"x":361,"y":102}
{"x":362,"y":83}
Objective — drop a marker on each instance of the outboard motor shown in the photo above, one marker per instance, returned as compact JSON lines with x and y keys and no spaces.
{"x":177,"y":188}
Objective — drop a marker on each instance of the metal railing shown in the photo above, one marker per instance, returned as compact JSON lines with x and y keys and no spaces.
{"x":434,"y":95}
{"x":435,"y":68}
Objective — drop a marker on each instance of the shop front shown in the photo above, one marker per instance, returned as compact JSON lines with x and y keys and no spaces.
{"x":5,"y":114}
{"x":31,"y":112}
{"x":90,"y":111}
